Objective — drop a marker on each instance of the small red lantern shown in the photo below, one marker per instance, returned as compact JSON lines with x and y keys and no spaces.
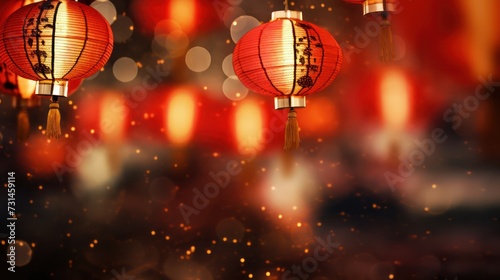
{"x":52,"y":42}
{"x":381,"y":8}
{"x":22,"y":91}
{"x":287,"y":58}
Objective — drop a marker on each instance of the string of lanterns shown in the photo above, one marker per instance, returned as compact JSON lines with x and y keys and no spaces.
{"x":56,"y":41}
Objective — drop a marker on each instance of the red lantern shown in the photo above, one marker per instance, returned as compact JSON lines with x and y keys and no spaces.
{"x":287,"y":58}
{"x":381,"y":8}
{"x":52,"y":42}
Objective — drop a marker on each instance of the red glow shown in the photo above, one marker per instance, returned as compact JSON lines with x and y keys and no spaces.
{"x":184,"y":13}
{"x":320,"y":117}
{"x":42,"y":155}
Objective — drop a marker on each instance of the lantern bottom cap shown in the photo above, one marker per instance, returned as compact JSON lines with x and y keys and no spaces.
{"x":291,"y":101}
{"x":377,"y":7}
{"x":57,"y":87}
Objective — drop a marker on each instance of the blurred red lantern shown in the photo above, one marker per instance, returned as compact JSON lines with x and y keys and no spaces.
{"x":462,"y":35}
{"x":287,"y":58}
{"x":52,"y":42}
{"x":20,"y":88}
{"x":381,"y":8}
{"x":22,"y":91}
{"x":408,"y":90}
{"x":186,"y":15}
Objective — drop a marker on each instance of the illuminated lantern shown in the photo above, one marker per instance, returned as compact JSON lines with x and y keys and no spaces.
{"x":287,"y":58}
{"x":53,"y":42}
{"x":381,"y":8}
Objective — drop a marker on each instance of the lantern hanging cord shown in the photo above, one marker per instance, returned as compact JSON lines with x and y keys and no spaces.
{"x":286,"y":5}
{"x":385,"y":13}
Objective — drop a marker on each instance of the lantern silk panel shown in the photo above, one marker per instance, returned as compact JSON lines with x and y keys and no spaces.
{"x":55,"y":40}
{"x":287,"y":56}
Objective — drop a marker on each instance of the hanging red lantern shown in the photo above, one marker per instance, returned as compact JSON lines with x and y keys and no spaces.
{"x":382,"y":9}
{"x":287,"y":58}
{"x":53,"y":42}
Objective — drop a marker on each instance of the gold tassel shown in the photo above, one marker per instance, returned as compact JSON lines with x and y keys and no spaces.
{"x":23,"y":125}
{"x":54,"y":120}
{"x":387,"y":51}
{"x":292,"y":138}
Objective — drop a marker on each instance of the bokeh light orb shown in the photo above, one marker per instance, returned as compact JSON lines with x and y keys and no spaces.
{"x":23,"y":253}
{"x":106,"y":8}
{"x":241,"y":25}
{"x":198,"y":59}
{"x":171,"y":45}
{"x":166,"y":27}
{"x":123,"y":28}
{"x":227,"y":67}
{"x":230,"y":14}
{"x":234,"y":89}
{"x":125,"y":69}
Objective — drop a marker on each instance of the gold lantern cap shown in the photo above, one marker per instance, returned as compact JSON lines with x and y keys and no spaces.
{"x":378,"y":7}
{"x":290,"y":101}
{"x":286,"y":14}
{"x":56,"y":87}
